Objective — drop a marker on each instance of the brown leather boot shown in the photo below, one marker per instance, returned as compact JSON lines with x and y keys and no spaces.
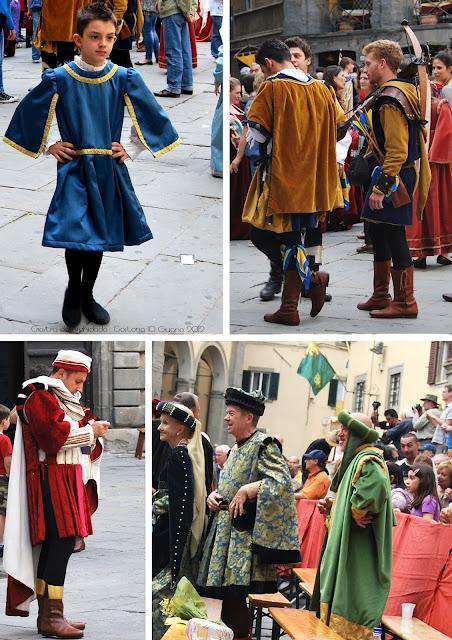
{"x":42,"y":613}
{"x":319,"y":283}
{"x":404,"y":305}
{"x":380,"y":297}
{"x":288,"y":311}
{"x":53,"y":623}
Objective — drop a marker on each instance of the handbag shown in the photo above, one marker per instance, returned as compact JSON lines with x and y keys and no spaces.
{"x":246,"y":521}
{"x":358,"y":170}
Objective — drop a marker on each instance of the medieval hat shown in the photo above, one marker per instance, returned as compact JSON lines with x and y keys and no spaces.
{"x":177,"y":411}
{"x":252,"y":401}
{"x":431,"y":397}
{"x":72,"y":361}
{"x":361,"y":430}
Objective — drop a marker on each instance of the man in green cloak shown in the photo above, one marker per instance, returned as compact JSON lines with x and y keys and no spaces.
{"x":354,"y":575}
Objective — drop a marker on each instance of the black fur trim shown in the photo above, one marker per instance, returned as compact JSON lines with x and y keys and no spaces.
{"x":276,"y":556}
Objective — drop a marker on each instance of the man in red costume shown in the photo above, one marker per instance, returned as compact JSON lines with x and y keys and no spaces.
{"x":51,"y":489}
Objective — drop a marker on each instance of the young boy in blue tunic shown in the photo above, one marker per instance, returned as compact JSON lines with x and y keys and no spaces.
{"x":94,"y":207}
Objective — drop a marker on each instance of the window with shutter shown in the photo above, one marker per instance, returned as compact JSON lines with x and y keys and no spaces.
{"x":433,"y":362}
{"x":332,"y":393}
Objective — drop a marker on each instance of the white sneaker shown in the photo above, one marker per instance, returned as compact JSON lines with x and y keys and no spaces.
{"x":4,"y":98}
{"x":36,"y":61}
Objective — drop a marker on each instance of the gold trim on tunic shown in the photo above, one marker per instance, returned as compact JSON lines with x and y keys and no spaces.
{"x":134,"y":119}
{"x":362,"y":462}
{"x":104,"y":78}
{"x":45,"y":134}
{"x":95,"y":152}
{"x":350,"y":630}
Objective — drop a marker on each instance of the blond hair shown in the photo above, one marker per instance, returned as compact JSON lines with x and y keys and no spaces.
{"x":387,"y":50}
{"x":234,"y":82}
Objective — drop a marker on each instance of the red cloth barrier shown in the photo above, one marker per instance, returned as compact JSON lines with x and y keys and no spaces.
{"x":421,"y":563}
{"x":311,"y":531}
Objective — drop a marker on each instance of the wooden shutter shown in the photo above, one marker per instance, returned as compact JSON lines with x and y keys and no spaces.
{"x":274,"y":384}
{"x":246,"y":380}
{"x":332,"y":392}
{"x":433,"y":362}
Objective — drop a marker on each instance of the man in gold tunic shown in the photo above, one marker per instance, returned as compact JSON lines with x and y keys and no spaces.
{"x":293,"y":119}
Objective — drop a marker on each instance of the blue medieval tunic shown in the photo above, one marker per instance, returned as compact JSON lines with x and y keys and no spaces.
{"x":94,"y":207}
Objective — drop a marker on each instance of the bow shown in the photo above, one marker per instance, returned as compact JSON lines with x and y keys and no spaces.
{"x":424,"y":89}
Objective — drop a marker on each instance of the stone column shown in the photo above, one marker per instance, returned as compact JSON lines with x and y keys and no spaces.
{"x":158,"y":358}
{"x":216,"y":426}
{"x":236,"y":364}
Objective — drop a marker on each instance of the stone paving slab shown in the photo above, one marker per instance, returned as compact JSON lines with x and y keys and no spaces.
{"x":350,"y":283}
{"x":182,"y":202}
{"x":105,"y":583}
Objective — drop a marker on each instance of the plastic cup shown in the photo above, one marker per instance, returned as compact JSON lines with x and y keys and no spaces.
{"x":407,"y":610}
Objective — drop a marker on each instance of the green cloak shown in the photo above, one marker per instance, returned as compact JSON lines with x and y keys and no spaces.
{"x":353,"y":580}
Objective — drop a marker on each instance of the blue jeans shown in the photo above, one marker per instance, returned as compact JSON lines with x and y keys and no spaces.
{"x":1,"y":60}
{"x":151,"y":39}
{"x":178,"y":53}
{"x":216,"y":41}
{"x":35,"y":53}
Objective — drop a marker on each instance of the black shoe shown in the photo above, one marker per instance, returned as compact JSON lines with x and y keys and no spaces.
{"x":443,"y":260}
{"x":94,"y":312}
{"x":447,"y":297}
{"x":269,"y":290}
{"x":72,"y":309}
{"x":187,"y":92}
{"x":420,"y":263}
{"x":164,"y":93}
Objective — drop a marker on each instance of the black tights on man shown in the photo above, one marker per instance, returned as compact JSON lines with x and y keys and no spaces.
{"x":83,"y":268}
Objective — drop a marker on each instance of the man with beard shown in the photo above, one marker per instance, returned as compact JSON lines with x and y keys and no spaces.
{"x":354,"y":574}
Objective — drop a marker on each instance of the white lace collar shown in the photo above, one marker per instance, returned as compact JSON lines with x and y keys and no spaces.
{"x":87,"y":67}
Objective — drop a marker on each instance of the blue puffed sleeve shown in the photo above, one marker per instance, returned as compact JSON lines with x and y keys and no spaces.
{"x":28,"y":130}
{"x":153,"y":126}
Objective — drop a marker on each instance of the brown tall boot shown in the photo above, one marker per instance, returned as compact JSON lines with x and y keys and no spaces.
{"x":380,"y":297}
{"x":288,"y":311}
{"x":404,"y":305}
{"x":42,"y":613}
{"x":53,"y":623}
{"x":319,"y":283}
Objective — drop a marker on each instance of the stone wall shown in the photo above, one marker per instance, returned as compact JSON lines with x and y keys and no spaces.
{"x":128,"y":394}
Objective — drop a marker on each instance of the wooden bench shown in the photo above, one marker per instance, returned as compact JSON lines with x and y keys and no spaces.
{"x":300,"y":624}
{"x":140,"y":443}
{"x":258,"y":602}
{"x":413,"y":629}
{"x":305,"y":576}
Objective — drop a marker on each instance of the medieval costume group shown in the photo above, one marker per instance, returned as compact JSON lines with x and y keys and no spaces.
{"x":230,"y":544}
{"x":400,"y":164}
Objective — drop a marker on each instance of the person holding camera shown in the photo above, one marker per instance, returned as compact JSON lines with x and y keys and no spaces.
{"x":241,"y":549}
{"x":421,"y":423}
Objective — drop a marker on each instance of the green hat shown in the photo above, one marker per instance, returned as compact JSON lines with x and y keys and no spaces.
{"x":364,"y":433}
{"x":359,"y":434}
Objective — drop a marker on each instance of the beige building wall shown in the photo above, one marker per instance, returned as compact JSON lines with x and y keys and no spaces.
{"x":297,"y":414}
{"x":411,"y":358}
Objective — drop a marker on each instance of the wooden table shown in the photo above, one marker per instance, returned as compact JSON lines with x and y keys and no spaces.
{"x":413,"y":629}
{"x":300,"y":625}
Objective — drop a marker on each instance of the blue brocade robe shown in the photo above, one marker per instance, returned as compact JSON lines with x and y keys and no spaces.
{"x":94,"y":207}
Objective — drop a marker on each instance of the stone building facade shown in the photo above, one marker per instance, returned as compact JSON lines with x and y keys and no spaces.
{"x":115,"y":389}
{"x":322,"y":22}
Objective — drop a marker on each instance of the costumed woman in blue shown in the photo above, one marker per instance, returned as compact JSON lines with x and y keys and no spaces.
{"x":94,"y":207}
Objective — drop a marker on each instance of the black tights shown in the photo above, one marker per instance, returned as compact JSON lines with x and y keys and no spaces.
{"x":55,"y":551}
{"x":82,"y":268}
{"x":235,"y":615}
{"x":270,"y":243}
{"x":389,"y":243}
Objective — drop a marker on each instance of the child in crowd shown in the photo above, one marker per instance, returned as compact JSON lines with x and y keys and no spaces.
{"x":422,"y":486}
{"x":7,"y":31}
{"x":401,"y":498}
{"x":5,"y":464}
{"x":94,"y":207}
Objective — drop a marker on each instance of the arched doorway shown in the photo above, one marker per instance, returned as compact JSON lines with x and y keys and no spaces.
{"x":210,"y":386}
{"x":177,"y":369}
